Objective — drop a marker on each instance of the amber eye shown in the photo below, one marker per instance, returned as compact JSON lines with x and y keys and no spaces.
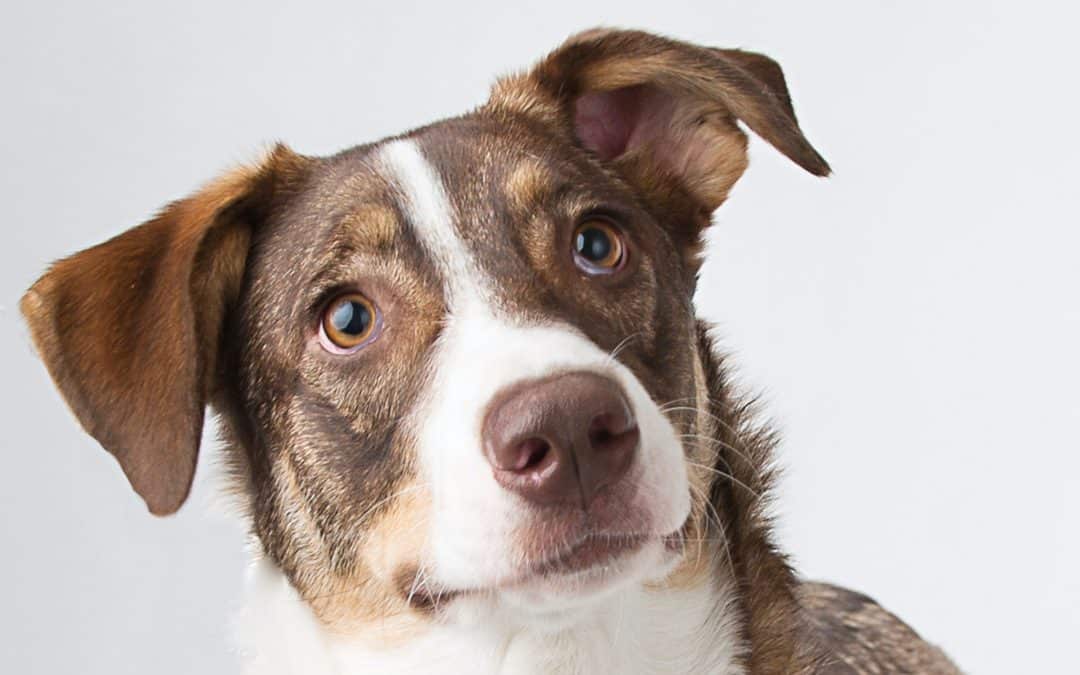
{"x":349,"y":322}
{"x":598,"y":247}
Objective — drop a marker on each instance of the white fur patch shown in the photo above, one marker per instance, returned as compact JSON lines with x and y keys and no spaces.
{"x":638,"y":632}
{"x":431,"y":217}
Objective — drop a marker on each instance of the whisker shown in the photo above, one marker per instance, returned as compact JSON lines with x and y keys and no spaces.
{"x":614,"y":353}
{"x":411,"y":488}
{"x":722,"y":444}
{"x":725,"y":475}
{"x":678,"y":401}
{"x":715,"y":418}
{"x":414,"y":586}
{"x":716,"y":520}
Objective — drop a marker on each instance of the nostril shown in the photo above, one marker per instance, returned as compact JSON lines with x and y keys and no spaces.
{"x":531,"y":452}
{"x":600,"y":431}
{"x":606,"y":432}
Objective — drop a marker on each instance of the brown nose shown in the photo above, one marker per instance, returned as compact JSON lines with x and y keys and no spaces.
{"x":561,"y":439}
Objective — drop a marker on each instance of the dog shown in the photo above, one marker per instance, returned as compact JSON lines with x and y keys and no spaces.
{"x":465,"y":401}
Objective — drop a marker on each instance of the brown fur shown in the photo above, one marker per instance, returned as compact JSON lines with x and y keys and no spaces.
{"x":218,"y":301}
{"x":864,"y":638}
{"x":129,"y":329}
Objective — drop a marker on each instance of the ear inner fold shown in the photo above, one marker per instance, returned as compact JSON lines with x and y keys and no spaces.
{"x":674,"y":104}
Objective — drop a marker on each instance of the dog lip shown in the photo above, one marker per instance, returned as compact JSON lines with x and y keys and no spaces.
{"x":591,"y":551}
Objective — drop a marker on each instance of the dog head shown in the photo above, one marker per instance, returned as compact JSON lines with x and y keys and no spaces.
{"x":459,"y":363}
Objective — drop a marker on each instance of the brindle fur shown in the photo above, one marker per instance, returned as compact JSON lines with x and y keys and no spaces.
{"x":321,"y":449}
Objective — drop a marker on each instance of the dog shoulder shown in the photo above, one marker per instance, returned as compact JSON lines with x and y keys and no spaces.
{"x":863,"y":637}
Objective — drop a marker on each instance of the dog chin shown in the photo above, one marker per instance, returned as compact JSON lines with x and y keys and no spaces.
{"x":604,"y":557}
{"x":595,"y":570}
{"x":553,"y":593}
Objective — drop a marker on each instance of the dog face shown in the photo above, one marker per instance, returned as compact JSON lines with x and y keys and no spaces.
{"x":454,"y":366}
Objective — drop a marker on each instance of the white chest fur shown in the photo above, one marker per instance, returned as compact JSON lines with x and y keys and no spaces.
{"x":635,"y":632}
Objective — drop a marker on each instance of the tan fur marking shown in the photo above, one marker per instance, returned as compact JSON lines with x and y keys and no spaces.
{"x":520,"y":94}
{"x":527,"y":186}
{"x":372,"y":226}
{"x":369,"y":604}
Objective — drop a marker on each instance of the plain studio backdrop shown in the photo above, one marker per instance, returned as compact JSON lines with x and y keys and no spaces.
{"x":912,"y":322}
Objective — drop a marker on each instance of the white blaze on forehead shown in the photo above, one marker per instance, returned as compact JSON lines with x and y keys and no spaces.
{"x":431,"y":216}
{"x":479,"y":353}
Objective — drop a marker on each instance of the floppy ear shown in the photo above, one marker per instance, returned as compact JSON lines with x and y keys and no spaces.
{"x":129,"y":329}
{"x":663,"y":113}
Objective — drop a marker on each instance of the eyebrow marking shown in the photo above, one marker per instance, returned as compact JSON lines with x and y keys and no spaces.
{"x":371,"y":227}
{"x":431,"y":218}
{"x":528,"y":184}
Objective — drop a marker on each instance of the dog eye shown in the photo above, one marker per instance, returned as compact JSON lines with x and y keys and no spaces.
{"x":349,"y":322}
{"x":598,"y":247}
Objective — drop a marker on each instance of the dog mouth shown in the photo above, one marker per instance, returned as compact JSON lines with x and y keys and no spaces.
{"x":595,"y":550}
{"x":594,"y":562}
{"x":591,"y":562}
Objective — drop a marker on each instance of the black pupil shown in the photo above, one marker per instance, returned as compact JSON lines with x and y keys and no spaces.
{"x":351,"y":318}
{"x":594,"y":244}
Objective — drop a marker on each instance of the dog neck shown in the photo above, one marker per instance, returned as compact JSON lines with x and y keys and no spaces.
{"x":637,"y":630}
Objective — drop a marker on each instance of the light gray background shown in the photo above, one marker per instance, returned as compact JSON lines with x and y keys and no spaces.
{"x":913,"y":321}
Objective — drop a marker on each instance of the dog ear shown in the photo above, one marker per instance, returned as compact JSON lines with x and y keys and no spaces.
{"x":662,"y":113}
{"x":129,"y":329}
